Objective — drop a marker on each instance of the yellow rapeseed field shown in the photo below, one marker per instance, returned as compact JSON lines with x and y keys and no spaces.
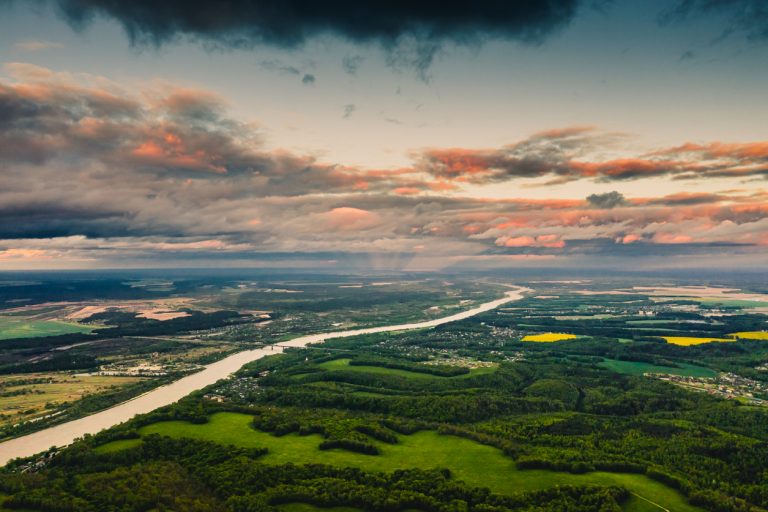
{"x":686,"y":341}
{"x":751,"y":335}
{"x":549,"y":337}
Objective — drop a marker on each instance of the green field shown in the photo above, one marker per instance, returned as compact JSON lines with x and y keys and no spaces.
{"x":343,"y":364}
{"x":738,"y":303}
{"x":476,"y":464}
{"x":15,"y":327}
{"x":639,"y":368}
{"x":653,"y":322}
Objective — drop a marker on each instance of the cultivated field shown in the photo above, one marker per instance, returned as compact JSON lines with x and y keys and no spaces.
{"x":19,"y":327}
{"x":27,"y":396}
{"x":639,"y":368}
{"x":687,"y":341}
{"x":751,"y":335}
{"x":549,"y":337}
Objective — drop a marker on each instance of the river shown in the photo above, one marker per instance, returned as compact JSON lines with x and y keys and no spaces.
{"x":66,"y":433}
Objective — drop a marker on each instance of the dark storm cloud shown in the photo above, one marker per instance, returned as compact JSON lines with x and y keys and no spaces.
{"x":289,"y":23}
{"x":748,"y":17}
{"x":35,"y":219}
{"x":607,"y":200}
{"x":416,"y":54}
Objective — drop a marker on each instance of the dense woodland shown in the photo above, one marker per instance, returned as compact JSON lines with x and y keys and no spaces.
{"x":545,"y":413}
{"x":188,"y":475}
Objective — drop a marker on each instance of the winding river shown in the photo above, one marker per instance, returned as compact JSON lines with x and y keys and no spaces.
{"x":66,"y":433}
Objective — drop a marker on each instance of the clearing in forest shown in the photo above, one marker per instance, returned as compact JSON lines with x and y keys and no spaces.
{"x":476,"y":464}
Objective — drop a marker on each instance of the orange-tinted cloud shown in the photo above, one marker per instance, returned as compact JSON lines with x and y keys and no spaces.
{"x":564,"y":155}
{"x":25,"y":254}
{"x":406,"y":191}
{"x":630,"y":239}
{"x":672,"y":238}
{"x":350,"y":219}
{"x":166,"y":171}
{"x":548,"y":241}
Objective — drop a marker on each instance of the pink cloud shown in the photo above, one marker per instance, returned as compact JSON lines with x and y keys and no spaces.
{"x":25,"y":254}
{"x":574,"y":153}
{"x":350,"y":219}
{"x":547,"y":241}
{"x":671,"y":238}
{"x":630,"y":239}
{"x":406,"y":191}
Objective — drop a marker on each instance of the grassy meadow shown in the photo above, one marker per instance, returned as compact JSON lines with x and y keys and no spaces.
{"x":15,"y":327}
{"x":639,"y":368}
{"x":343,"y":364}
{"x":476,"y":464}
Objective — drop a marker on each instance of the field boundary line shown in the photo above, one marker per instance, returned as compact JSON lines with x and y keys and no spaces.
{"x":649,"y":501}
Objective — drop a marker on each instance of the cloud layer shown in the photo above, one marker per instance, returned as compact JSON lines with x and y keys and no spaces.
{"x":288,"y":23}
{"x":570,"y":154}
{"x":749,"y":17}
{"x":92,"y":173}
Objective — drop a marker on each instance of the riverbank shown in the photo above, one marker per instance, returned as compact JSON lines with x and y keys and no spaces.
{"x":65,"y":433}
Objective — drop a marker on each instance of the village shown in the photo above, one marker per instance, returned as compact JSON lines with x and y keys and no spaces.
{"x":725,"y":385}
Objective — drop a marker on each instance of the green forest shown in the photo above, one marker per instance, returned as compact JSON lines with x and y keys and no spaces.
{"x":313,"y":427}
{"x":462,"y":417}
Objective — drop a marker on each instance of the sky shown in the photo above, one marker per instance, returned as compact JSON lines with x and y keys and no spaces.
{"x":399,"y":135}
